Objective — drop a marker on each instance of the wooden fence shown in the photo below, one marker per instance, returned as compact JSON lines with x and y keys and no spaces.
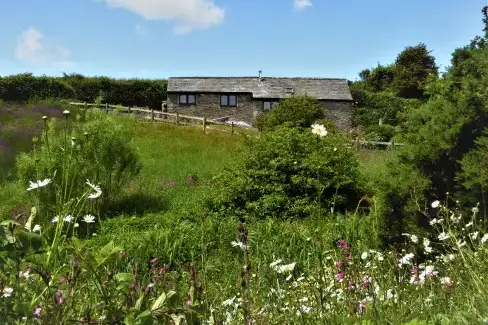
{"x":177,"y":118}
{"x":160,"y":116}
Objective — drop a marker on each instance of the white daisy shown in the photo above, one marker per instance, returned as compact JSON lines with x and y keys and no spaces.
{"x":36,"y":228}
{"x":89,"y":218}
{"x":319,"y":130}
{"x":435,"y":204}
{"x":38,"y":184}
{"x":7,"y":292}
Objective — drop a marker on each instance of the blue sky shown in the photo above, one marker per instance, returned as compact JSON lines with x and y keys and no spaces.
{"x":163,"y":38}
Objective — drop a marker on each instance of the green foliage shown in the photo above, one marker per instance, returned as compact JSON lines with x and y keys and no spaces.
{"x":413,"y":69}
{"x":382,"y":132}
{"x":295,"y":111}
{"x":473,"y":176}
{"x":289,"y":173}
{"x":25,"y":87}
{"x":99,"y":150}
{"x":127,"y":92}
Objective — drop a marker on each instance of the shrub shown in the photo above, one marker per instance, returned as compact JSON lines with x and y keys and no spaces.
{"x":382,"y":132}
{"x":99,"y":150}
{"x":294,"y":111}
{"x":289,"y":173}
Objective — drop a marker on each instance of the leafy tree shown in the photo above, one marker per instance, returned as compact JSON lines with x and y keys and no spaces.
{"x":295,"y":111}
{"x":412,"y":69}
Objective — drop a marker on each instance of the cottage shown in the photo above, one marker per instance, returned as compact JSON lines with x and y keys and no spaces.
{"x":244,"y":98}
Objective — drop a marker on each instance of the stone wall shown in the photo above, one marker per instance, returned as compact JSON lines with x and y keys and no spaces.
{"x":339,"y":112}
{"x":209,"y":105}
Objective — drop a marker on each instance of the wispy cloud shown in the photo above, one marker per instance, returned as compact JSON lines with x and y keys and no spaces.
{"x":33,"y":48}
{"x":300,"y":5}
{"x":187,"y":15}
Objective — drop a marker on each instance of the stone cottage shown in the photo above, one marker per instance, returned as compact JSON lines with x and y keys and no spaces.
{"x":244,"y":98}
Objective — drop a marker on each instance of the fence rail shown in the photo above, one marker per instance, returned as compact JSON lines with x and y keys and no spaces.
{"x":161,"y":116}
{"x":391,"y":144}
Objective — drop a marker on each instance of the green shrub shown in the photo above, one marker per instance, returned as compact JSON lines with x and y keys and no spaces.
{"x":382,"y":132}
{"x":99,"y":150}
{"x":294,"y":111}
{"x":289,"y":173}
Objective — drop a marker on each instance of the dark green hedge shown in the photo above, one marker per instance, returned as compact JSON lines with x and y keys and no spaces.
{"x":127,"y":92}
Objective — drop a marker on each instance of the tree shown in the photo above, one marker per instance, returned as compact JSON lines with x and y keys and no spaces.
{"x":412,"y":69}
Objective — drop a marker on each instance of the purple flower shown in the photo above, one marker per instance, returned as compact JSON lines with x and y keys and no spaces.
{"x":59,"y":297}
{"x":339,"y":276}
{"x":38,"y":311}
{"x":340,"y":264}
{"x":362,"y":306}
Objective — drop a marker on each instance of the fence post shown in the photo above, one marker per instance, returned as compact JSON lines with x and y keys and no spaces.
{"x":128,"y":109}
{"x":106,"y":107}
{"x":164,"y":109}
{"x":152,"y":115}
{"x":232,"y":128}
{"x":177,"y":118}
{"x":204,"y":123}
{"x":357,"y":143}
{"x":392,"y":144}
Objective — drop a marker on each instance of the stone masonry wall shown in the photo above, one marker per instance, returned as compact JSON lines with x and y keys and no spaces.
{"x":339,"y":112}
{"x":209,"y":105}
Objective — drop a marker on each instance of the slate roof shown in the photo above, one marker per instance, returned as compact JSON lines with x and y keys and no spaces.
{"x":268,"y":87}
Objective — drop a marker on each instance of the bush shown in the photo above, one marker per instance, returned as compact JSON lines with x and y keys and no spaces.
{"x":289,"y":173}
{"x":382,"y":132}
{"x":294,"y":111}
{"x":127,"y":92}
{"x":99,"y":150}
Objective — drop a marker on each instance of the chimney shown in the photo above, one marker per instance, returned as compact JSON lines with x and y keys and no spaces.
{"x":260,"y":75}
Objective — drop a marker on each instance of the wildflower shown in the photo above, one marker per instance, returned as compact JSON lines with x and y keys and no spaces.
{"x":37,"y":311}
{"x":390,"y":294}
{"x":484,"y":238}
{"x":433,"y":221}
{"x":469,"y":224}
{"x":427,"y":247}
{"x":362,"y":306}
{"x":38,"y":184}
{"x":44,"y":117}
{"x":340,"y":264}
{"x":189,"y":303}
{"x":240,"y":245}
{"x":97,"y":189}
{"x":59,"y":297}
{"x":286,"y":268}
{"x":66,"y":112}
{"x":76,"y":225}
{"x":24,"y":274}
{"x":55,"y":219}
{"x":305,"y":309}
{"x":319,"y":130}
{"x":364,"y":255}
{"x":406,"y":259}
{"x":413,"y":238}
{"x":443,"y":236}
{"x":68,"y":218}
{"x":474,"y":236}
{"x":228,"y":302}
{"x":435,"y":204}
{"x":89,"y":218}
{"x":447,"y":281}
{"x":461,"y":243}
{"x":7,"y":292}
{"x":339,"y":276}
{"x":475,"y":210}
{"x":275,"y":263}
{"x":36,"y":228}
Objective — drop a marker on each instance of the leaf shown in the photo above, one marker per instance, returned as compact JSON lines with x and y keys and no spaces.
{"x":108,"y":253}
{"x":177,"y":319}
{"x":28,"y":224}
{"x":124,"y":277}
{"x":139,"y":303}
{"x":159,"y":302}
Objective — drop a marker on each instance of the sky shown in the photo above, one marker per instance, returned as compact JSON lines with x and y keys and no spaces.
{"x":283,"y":38}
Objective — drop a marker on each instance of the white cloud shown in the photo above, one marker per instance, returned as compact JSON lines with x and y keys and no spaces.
{"x":187,"y":15}
{"x":302,"y":4}
{"x":33,"y":48}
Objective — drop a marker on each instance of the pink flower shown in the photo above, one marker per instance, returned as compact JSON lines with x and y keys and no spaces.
{"x":341,"y":243}
{"x":347,"y":257}
{"x":59,"y":297}
{"x":351,"y":285}
{"x":340,"y":264}
{"x":189,"y":303}
{"x":339,"y":276}
{"x":38,"y":311}
{"x":362,"y":306}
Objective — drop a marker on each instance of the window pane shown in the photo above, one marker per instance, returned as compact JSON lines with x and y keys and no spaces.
{"x":191,"y":99}
{"x":183,"y":99}
{"x":224,"y":100}
{"x":266,"y":106}
{"x":232,"y":100}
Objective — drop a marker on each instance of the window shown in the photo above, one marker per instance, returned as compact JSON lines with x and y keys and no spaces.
{"x":186,"y":99}
{"x":228,"y":100}
{"x":267,"y":105}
